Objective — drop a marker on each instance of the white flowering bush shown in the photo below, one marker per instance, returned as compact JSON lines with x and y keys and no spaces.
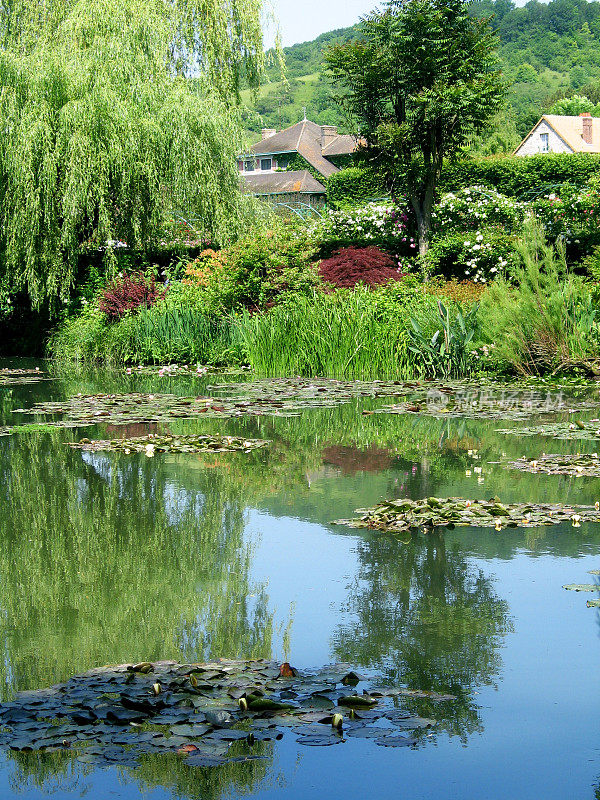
{"x":574,"y":217}
{"x":374,"y":223}
{"x":477,"y":256}
{"x":477,"y":207}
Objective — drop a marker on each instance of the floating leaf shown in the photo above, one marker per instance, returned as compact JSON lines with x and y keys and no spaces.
{"x":319,"y":740}
{"x":583,"y":587}
{"x":357,"y":701}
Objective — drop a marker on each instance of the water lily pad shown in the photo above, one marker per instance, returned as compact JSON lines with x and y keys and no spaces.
{"x":190,"y":730}
{"x":319,"y":740}
{"x":151,"y":444}
{"x":583,"y":587}
{"x":366,"y":733}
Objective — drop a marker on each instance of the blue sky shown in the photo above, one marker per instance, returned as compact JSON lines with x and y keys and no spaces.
{"x":302,"y":20}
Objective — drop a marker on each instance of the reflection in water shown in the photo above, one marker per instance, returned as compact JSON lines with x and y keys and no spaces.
{"x":428,"y":620}
{"x":51,"y":773}
{"x":105,"y":561}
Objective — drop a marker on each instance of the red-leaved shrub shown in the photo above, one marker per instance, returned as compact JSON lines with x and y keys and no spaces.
{"x":351,"y":265}
{"x":128,"y":292}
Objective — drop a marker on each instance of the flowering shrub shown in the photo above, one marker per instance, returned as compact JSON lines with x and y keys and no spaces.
{"x":377,"y":223}
{"x":128,"y":293}
{"x":205,"y":268}
{"x":367,"y":265}
{"x":574,"y":216}
{"x":477,"y":207}
{"x":255,"y":271}
{"x":477,"y":256}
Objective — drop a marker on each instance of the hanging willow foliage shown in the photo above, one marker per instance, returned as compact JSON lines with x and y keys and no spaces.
{"x":113,"y":111}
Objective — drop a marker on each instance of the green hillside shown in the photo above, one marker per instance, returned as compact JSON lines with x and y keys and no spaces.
{"x":548,"y":51}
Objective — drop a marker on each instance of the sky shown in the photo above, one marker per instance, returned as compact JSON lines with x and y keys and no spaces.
{"x":303,"y":20}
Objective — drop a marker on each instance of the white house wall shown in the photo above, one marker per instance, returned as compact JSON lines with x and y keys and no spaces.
{"x":533,"y":143}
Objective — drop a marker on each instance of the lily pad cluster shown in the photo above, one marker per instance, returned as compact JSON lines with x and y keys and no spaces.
{"x":184,"y":369}
{"x":578,"y":465}
{"x":576,"y":429}
{"x":445,"y":402}
{"x":17,"y":377}
{"x":151,"y":444}
{"x":113,"y":715}
{"x":586,"y":587}
{"x":261,"y":398}
{"x":407,"y":515}
{"x":137,"y":407}
{"x":319,"y":391}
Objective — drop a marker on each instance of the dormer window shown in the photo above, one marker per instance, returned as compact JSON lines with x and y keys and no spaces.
{"x":266,"y":164}
{"x":545,"y":144}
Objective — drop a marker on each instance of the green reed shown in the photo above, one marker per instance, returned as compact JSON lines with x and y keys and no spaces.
{"x":345,"y":335}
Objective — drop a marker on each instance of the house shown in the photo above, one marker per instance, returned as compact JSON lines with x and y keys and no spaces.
{"x":557,"y":134}
{"x":287,"y":164}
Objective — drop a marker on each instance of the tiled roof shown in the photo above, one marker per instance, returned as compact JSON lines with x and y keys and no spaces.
{"x":342,"y":145}
{"x":570,"y":130}
{"x":282,"y":183}
{"x":305,"y":138}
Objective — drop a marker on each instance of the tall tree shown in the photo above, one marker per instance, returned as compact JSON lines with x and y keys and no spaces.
{"x":421,"y":80}
{"x":112,"y":110}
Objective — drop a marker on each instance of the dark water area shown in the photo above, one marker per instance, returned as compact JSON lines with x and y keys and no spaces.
{"x":108,"y":558}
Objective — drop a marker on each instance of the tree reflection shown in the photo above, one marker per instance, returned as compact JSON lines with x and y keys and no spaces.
{"x":52,"y":773}
{"x":428,"y":619}
{"x":104,"y":560}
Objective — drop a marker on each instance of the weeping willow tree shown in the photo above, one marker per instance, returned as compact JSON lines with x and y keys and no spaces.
{"x":111,"y":112}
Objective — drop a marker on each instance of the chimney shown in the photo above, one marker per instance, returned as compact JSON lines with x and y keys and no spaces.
{"x":586,"y":119}
{"x":328,"y":134}
{"x":267,"y":132}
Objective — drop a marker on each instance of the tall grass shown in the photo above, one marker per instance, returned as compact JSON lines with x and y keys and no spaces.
{"x":343,"y":335}
{"x":543,"y":319}
{"x":152,"y":336}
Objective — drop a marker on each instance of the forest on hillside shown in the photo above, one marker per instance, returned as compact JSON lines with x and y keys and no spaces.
{"x":548,"y":52}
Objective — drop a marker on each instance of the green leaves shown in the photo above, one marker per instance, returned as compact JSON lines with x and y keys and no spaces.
{"x":420,"y":82}
{"x":445,"y":355}
{"x":105,"y":130}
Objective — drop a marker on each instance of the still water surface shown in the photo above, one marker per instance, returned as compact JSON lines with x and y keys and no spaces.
{"x":109,"y":558}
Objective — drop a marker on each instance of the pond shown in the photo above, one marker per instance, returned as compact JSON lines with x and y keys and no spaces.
{"x":118,"y":557}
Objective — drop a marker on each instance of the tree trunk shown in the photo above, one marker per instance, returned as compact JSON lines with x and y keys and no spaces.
{"x":423,"y":229}
{"x":423,"y":207}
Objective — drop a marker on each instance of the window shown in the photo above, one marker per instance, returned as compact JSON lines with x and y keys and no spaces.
{"x":545,"y":143}
{"x":248,"y":166}
{"x":266,"y":164}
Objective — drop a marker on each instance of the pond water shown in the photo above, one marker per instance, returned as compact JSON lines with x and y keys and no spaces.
{"x":112,"y":558}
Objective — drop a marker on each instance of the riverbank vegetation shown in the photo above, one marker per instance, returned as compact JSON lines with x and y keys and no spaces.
{"x":507,"y":287}
{"x":448,"y":277}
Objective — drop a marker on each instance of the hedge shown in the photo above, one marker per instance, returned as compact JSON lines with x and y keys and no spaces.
{"x":521,"y":176}
{"x":353,"y":186}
